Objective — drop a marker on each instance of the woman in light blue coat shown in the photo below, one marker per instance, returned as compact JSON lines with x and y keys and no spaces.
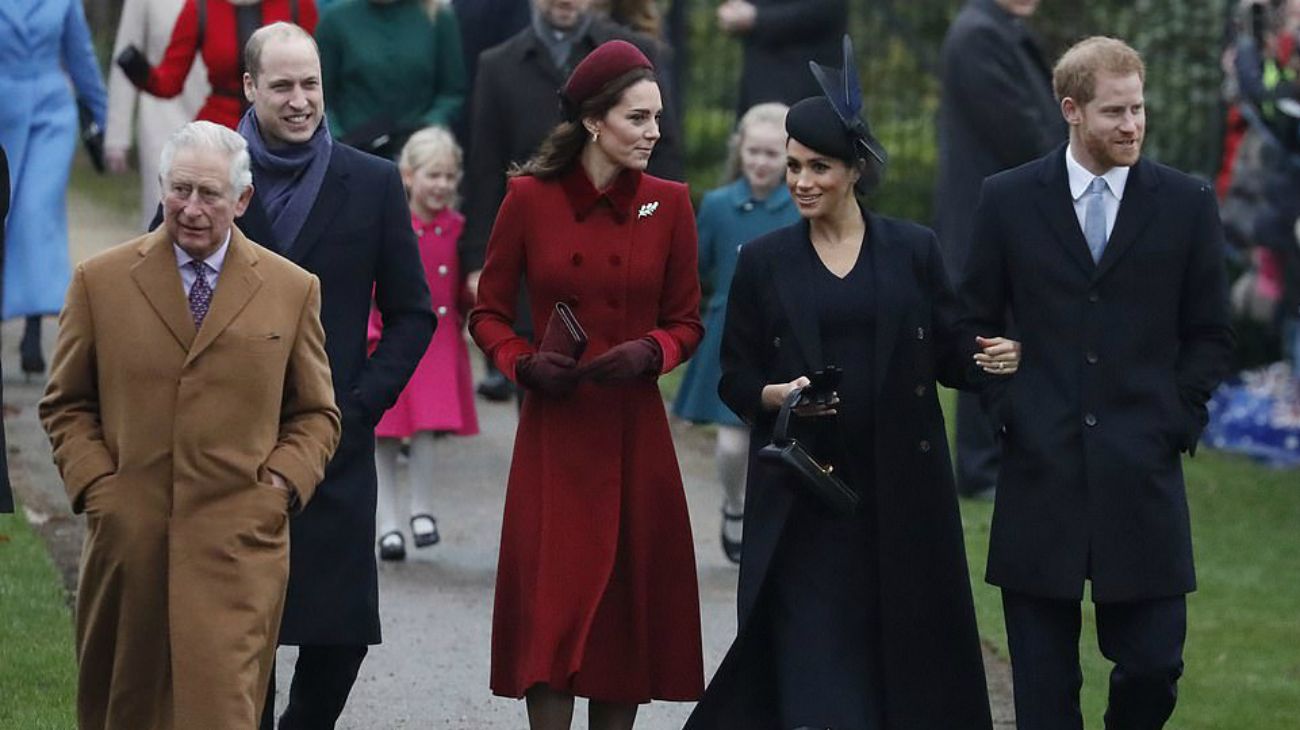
{"x":755,"y":203}
{"x":42,"y":44}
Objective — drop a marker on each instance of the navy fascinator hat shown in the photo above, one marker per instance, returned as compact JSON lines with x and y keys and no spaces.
{"x":833,"y":123}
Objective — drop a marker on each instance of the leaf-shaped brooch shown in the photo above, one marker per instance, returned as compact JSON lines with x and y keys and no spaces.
{"x":648,"y":210}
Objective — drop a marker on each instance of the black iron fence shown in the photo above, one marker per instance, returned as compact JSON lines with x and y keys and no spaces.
{"x":898,"y":43}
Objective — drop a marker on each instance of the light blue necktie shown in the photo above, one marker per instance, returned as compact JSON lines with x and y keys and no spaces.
{"x":1094,"y":217}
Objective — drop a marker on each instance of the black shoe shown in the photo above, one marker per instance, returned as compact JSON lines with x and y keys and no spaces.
{"x":29,"y":350}
{"x":731,"y":548}
{"x":425,"y":538}
{"x":392,"y":546}
{"x":496,"y":387}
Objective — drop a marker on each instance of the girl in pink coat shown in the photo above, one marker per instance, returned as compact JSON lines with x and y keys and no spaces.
{"x":439,"y":397}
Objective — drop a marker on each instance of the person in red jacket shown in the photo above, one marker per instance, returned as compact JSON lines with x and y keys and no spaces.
{"x":596,"y":592}
{"x":217,"y":29}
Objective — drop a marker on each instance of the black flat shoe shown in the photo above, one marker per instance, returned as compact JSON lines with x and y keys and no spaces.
{"x":392,"y":546}
{"x":424,"y":537}
{"x":731,"y":548}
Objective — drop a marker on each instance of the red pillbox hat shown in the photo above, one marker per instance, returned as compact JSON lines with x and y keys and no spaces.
{"x":609,"y":61}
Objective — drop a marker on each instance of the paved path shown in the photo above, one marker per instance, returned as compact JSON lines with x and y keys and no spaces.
{"x":432,"y":669}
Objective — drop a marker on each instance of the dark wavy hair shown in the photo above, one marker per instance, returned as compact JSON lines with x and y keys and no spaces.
{"x":566,"y":141}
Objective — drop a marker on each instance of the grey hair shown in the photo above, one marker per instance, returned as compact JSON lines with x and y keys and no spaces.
{"x":209,"y":136}
{"x":279,"y":30}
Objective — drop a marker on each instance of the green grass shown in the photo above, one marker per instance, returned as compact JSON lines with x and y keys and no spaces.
{"x":38,"y":671}
{"x":1243,"y":639}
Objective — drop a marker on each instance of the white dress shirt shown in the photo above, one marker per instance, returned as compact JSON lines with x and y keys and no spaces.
{"x":215,"y":261}
{"x":1080,"y":179}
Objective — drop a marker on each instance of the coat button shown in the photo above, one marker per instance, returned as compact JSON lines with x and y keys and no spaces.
{"x":576,"y":259}
{"x":1094,"y":297}
{"x":442,"y":311}
{"x":920,"y":390}
{"x":747,"y":206}
{"x":1090,"y":420}
{"x":442,"y":269}
{"x":776,"y":342}
{"x":920,"y":333}
{"x":924,"y":446}
{"x":437,"y":230}
{"x":1092,"y":358}
{"x":615,"y":260}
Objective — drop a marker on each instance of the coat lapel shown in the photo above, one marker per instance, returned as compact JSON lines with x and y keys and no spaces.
{"x":1057,"y":206}
{"x":159,"y":279}
{"x":1135,"y":211}
{"x":793,"y":279}
{"x":236,"y":285}
{"x":892,"y":265}
{"x":329,"y":201}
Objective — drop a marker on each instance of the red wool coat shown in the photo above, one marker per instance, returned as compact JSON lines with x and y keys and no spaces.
{"x":221,"y":52}
{"x":596,"y":591}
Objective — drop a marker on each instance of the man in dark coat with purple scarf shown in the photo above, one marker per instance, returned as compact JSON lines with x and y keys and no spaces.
{"x":342,"y":215}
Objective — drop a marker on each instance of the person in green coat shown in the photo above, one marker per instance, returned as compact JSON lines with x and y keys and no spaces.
{"x":390,"y":67}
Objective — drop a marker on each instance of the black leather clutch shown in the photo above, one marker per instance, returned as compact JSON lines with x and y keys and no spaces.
{"x":809,"y":474}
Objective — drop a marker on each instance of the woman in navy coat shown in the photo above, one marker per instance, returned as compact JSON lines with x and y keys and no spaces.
{"x":42,"y":43}
{"x":861,"y":621}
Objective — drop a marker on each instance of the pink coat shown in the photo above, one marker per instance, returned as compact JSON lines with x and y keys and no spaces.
{"x":440,"y":394}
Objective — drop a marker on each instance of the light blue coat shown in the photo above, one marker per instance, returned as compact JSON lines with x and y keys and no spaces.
{"x":43,"y":43}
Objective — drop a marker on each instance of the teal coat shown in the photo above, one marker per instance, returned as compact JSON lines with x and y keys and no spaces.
{"x":390,"y":61}
{"x":728,"y":219}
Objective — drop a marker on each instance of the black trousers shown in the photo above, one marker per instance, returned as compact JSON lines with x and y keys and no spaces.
{"x":978,"y":452}
{"x":1144,"y":639}
{"x":322,"y":679}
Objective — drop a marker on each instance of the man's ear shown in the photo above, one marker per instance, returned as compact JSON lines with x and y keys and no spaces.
{"x":248,"y":87}
{"x":241,"y":203}
{"x":1072,"y":111}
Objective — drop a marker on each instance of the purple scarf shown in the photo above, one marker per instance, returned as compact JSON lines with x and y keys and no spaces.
{"x":287,"y":178}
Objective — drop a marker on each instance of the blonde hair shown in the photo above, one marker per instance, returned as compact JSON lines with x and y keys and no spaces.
{"x":772,"y":112}
{"x":1075,"y":75}
{"x":427,"y":145}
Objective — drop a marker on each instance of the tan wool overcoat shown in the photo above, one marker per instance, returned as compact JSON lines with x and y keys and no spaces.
{"x":165,"y":438}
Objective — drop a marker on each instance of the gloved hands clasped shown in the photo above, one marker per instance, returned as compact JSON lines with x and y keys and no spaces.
{"x":558,"y":375}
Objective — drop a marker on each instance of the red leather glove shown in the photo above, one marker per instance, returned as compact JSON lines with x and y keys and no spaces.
{"x":631,"y":359}
{"x":548,"y":372}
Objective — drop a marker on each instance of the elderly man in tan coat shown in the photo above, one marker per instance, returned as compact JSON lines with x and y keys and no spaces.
{"x":190,"y":409}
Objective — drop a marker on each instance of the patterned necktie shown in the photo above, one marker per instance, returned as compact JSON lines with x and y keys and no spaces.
{"x":1094,"y":217}
{"x":200,"y":293}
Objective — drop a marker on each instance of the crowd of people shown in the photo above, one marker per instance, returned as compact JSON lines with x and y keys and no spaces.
{"x":307,"y":272}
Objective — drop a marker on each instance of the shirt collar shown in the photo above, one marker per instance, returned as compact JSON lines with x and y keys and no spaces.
{"x":741,"y":195}
{"x":1116,"y":177}
{"x":584,"y":197}
{"x":215,"y":261}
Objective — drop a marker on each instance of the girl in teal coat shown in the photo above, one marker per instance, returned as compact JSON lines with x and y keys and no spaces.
{"x":755,"y":203}
{"x":42,"y":43}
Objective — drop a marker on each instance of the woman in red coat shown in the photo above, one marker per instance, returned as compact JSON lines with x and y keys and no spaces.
{"x":596,"y":592}
{"x":219,"y":30}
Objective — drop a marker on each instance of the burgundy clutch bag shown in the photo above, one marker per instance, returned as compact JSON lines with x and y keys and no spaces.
{"x":563,"y":333}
